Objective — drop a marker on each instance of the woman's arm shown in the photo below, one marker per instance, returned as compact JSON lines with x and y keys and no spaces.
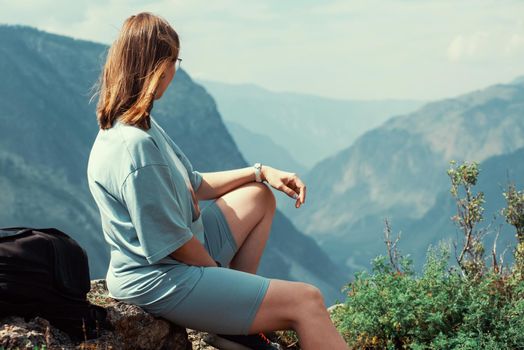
{"x":193,"y":253}
{"x":218,"y":183}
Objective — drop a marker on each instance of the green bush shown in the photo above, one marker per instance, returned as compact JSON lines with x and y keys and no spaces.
{"x":468,"y":306}
{"x":440,"y":309}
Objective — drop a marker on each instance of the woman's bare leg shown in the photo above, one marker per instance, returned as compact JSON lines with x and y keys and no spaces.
{"x":249,"y":211}
{"x":298,"y":306}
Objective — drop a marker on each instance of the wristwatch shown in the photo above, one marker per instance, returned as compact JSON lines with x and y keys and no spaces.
{"x":258,"y":171}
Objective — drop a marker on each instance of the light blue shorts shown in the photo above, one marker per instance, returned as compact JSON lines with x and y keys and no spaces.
{"x":223,"y":300}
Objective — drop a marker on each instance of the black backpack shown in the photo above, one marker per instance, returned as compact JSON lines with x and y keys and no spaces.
{"x":44,"y":272}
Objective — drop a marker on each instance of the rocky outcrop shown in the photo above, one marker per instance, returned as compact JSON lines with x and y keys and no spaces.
{"x":15,"y":333}
{"x":133,"y":328}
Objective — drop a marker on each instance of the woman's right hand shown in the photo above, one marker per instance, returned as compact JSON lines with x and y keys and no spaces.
{"x":287,"y":182}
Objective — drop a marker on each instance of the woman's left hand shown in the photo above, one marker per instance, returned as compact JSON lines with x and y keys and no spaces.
{"x":287,"y":182}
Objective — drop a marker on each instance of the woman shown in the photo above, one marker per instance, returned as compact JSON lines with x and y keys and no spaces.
{"x":166,"y":255}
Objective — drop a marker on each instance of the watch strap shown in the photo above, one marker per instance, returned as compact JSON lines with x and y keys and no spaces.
{"x":258,"y":177}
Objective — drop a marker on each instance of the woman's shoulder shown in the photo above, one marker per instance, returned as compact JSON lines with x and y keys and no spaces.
{"x":123,"y":149}
{"x":140,"y":144}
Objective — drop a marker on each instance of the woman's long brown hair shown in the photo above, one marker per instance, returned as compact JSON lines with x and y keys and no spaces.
{"x":135,"y":62}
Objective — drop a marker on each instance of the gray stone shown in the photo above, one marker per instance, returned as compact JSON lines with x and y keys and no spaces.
{"x":134,"y":329}
{"x":15,"y":333}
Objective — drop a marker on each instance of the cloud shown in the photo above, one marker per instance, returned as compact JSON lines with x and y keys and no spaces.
{"x":463,"y":46}
{"x":337,"y":48}
{"x":482,"y":46}
{"x":515,"y":44}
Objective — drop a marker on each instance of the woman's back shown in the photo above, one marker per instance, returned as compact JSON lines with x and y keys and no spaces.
{"x":145,"y":209}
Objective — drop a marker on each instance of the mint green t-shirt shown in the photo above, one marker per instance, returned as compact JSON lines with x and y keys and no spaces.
{"x":146,"y":209}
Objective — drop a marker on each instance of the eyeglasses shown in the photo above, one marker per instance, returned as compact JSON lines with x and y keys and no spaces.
{"x":178,"y":62}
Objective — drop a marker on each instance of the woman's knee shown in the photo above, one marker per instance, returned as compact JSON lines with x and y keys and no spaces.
{"x":311,"y":297}
{"x":308,"y":305}
{"x":286,"y":304}
{"x":264,"y":193}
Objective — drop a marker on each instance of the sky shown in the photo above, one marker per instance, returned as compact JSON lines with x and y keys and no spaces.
{"x":373,"y":49}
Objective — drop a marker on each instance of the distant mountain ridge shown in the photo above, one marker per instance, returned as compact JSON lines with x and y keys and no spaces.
{"x":398,"y":169}
{"x":260,"y":148}
{"x":44,"y":95}
{"x":309,"y":127}
{"x":518,"y":80}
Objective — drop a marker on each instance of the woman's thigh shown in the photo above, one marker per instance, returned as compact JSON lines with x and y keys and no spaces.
{"x":229,"y":219}
{"x":222,"y":301}
{"x":229,"y":301}
{"x":244,"y":207}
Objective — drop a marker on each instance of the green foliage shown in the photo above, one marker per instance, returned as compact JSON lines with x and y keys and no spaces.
{"x":288,"y":338}
{"x":440,"y":309}
{"x":514,"y":214}
{"x":443,"y":308}
{"x":469,"y":214}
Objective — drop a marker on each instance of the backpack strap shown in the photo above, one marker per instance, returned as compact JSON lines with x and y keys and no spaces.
{"x":13,"y":231}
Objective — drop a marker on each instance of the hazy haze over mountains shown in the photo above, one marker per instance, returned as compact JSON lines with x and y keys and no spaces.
{"x":309,"y":127}
{"x":261,"y":148}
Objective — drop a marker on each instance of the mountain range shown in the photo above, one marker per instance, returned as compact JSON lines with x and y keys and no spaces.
{"x":309,"y":127}
{"x":261,"y":148}
{"x":398,"y":171}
